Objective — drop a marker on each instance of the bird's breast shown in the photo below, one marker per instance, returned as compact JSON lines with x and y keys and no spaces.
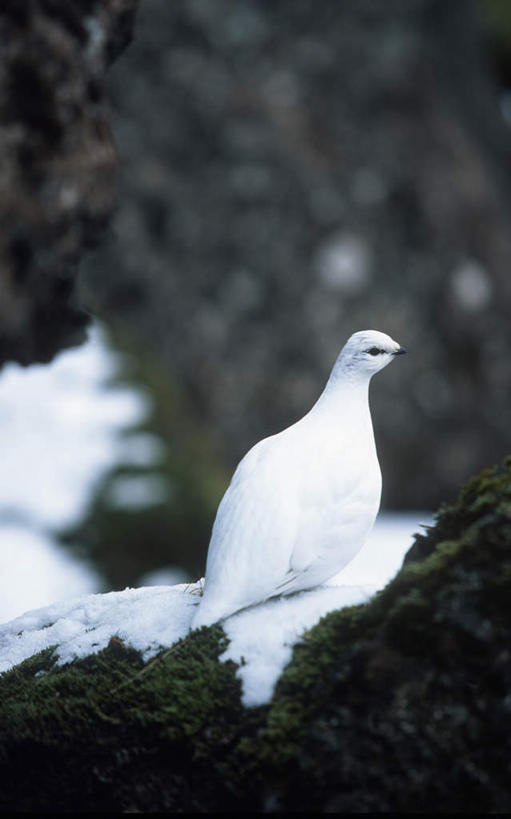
{"x":335,"y":471}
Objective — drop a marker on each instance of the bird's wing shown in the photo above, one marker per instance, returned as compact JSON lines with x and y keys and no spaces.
{"x":253,"y":534}
{"x":338,"y":501}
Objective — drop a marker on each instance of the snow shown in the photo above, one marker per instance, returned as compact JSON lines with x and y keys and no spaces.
{"x":387,"y":544}
{"x":60,"y":430}
{"x":62,"y":427}
{"x":261,"y":639}
{"x":35,"y":571}
{"x":146,"y":618}
{"x":152,"y":618}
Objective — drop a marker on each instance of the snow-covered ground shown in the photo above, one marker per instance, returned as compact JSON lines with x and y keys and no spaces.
{"x":383,"y":553}
{"x":36,"y":571}
{"x":60,"y":430}
{"x":151,"y":618}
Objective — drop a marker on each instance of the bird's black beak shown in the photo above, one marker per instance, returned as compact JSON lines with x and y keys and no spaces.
{"x":400,"y":351}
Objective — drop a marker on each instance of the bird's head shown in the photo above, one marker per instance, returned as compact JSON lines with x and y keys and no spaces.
{"x":368,"y":351}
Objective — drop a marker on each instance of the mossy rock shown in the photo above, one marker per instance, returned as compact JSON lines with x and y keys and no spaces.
{"x":399,"y":705}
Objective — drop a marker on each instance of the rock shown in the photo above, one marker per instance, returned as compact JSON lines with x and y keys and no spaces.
{"x":58,"y":179}
{"x":400,"y":705}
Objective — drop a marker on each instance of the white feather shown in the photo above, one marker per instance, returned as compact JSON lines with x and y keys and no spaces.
{"x":301,"y":503}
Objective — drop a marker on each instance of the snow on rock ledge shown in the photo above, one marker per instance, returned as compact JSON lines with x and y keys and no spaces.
{"x":399,"y":705}
{"x":261,"y":639}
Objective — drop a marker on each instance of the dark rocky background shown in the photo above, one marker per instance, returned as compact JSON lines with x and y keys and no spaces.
{"x":57,"y":163}
{"x":294,"y":171}
{"x":290,"y":171}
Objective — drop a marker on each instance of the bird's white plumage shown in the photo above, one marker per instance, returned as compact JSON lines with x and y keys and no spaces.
{"x":301,"y":503}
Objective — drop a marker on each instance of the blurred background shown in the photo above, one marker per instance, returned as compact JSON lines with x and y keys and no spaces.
{"x":288,"y":172}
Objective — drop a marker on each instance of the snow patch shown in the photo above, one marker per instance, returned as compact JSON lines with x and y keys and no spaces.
{"x":36,"y":571}
{"x":62,"y":426}
{"x":60,"y":431}
{"x":261,"y":638}
{"x":150,"y":619}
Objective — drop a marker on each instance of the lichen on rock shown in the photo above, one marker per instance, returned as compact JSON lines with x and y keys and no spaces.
{"x":399,"y":705}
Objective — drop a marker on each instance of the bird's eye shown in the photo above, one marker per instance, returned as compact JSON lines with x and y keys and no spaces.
{"x":375,"y":351}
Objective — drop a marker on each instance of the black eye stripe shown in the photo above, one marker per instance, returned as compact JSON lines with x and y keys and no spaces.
{"x":375,"y":351}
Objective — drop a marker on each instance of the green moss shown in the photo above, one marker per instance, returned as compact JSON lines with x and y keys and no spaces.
{"x":496,"y":19}
{"x":399,"y":705}
{"x":89,"y":732}
{"x":356,"y":710}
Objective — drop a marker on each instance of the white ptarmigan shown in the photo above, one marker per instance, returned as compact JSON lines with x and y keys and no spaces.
{"x":301,"y":503}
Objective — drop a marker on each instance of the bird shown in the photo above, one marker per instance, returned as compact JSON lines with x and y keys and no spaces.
{"x":302,"y":502}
